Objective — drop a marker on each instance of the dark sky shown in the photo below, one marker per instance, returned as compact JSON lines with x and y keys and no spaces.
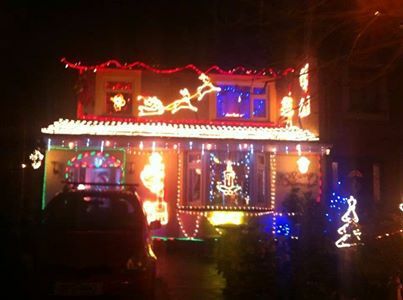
{"x":38,"y":90}
{"x":253,"y":33}
{"x":164,"y":33}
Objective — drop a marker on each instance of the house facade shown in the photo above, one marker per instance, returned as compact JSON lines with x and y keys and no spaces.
{"x":202,"y":148}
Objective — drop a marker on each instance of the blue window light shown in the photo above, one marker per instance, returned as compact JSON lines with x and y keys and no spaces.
{"x":259,"y":91}
{"x":233,"y":102}
{"x":259,"y":108}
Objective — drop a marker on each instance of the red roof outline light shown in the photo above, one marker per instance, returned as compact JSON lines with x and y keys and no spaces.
{"x":115,"y":64}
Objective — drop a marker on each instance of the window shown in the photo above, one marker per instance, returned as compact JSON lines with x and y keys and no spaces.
{"x":229,"y":178}
{"x":221,"y":178}
{"x":94,"y":167}
{"x":366,"y":98}
{"x":241,"y":101}
{"x":261,"y":179}
{"x":118,"y":97}
{"x":194,"y":178}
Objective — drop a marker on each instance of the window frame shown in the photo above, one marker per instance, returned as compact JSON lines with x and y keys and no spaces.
{"x":255,"y":167}
{"x":201,"y":201}
{"x":246,"y":81}
{"x":108,"y":75}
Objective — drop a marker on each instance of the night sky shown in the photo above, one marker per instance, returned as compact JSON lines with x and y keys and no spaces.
{"x":38,"y":90}
{"x":160,"y":33}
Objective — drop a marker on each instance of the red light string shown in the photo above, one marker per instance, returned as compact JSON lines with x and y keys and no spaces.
{"x":138,"y":64}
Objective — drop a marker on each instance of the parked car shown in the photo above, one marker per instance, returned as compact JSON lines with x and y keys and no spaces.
{"x":95,"y":243}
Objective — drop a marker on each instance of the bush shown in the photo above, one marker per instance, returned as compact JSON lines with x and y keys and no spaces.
{"x":246,"y":258}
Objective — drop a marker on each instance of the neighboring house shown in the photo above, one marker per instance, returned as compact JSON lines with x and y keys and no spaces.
{"x":362,"y":120}
{"x":217,"y":146}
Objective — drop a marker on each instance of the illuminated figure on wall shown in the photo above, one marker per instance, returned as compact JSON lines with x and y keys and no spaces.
{"x":36,"y":159}
{"x":183,"y":103}
{"x":156,"y":210}
{"x":153,"y":176}
{"x":118,"y":102}
{"x":287,"y":110}
{"x":228,"y":186}
{"x":152,"y":106}
{"x":304,"y":108}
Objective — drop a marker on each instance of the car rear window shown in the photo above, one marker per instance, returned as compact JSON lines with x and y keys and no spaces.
{"x":95,"y":212}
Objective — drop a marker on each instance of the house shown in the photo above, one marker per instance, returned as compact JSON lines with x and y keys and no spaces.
{"x":203,"y":148}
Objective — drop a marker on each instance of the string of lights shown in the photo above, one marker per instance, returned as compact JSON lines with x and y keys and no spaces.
{"x":141,"y":65}
{"x":178,"y":200}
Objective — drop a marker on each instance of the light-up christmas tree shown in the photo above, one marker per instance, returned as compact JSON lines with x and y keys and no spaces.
{"x":350,"y":231}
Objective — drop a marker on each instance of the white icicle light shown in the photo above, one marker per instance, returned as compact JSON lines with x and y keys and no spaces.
{"x":350,"y":217}
{"x":165,"y":129}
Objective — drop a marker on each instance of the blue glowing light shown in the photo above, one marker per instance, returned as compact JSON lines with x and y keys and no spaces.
{"x":233,"y":101}
{"x":259,"y":108}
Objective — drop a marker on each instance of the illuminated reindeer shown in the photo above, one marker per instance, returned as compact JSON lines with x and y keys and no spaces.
{"x":183,"y":103}
{"x":153,"y":106}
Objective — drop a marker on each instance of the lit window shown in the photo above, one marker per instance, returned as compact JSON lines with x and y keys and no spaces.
{"x":194,"y":178}
{"x":233,"y":102}
{"x":118,"y":97}
{"x":241,"y":102}
{"x":259,"y":108}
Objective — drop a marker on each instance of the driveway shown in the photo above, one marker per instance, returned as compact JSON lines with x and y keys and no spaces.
{"x":187,"y":271}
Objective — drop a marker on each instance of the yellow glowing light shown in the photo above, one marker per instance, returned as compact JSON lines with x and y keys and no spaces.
{"x":118,"y":102}
{"x":303,"y":164}
{"x":182,"y":103}
{"x":81,"y":187}
{"x":36,"y":158}
{"x":299,"y":149}
{"x":303,"y":78}
{"x":228,"y":186}
{"x":304,"y":108}
{"x":206,"y":88}
{"x":152,"y":106}
{"x":401,"y":206}
{"x":156,"y":210}
{"x":287,"y":110}
{"x":153,"y":175}
{"x":152,"y":129}
{"x":226,"y":217}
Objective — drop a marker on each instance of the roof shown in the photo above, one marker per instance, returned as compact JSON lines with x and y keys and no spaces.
{"x":211,"y":130}
{"x":115,"y":64}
